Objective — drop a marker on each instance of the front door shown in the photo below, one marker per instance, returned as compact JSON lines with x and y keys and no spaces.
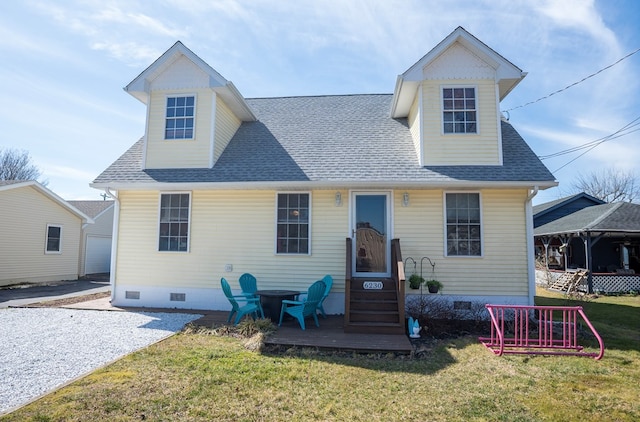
{"x":370,"y":224}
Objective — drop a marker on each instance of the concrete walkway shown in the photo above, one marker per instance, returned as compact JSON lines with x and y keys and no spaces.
{"x":28,"y":294}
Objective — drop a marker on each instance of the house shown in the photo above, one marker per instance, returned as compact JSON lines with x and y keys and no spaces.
{"x":293,"y":188}
{"x":95,"y":242}
{"x":40,"y":232}
{"x":552,"y":210}
{"x":604,"y":239}
{"x":551,"y":247}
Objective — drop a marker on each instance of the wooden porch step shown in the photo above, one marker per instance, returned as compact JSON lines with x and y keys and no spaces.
{"x":374,"y":295}
{"x":375,"y":316}
{"x":374,"y":328}
{"x":375,"y":304}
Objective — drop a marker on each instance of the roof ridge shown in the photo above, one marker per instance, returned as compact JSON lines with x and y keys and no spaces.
{"x":319,"y":96}
{"x":604,"y":215}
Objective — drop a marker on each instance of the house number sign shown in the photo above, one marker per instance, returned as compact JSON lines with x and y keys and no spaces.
{"x":372,"y":285}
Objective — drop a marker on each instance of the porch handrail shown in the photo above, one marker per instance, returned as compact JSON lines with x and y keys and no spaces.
{"x":398,"y":276}
{"x":548,"y":337}
{"x":347,"y":280}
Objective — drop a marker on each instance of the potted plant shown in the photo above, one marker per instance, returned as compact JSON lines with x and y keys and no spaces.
{"x":415,"y":281}
{"x":433,"y":285}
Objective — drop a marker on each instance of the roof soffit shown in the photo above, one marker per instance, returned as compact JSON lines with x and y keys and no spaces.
{"x":506,"y":74}
{"x":178,"y":60}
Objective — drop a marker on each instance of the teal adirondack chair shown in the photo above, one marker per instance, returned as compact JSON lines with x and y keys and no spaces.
{"x":328,"y":281}
{"x":252,"y":306}
{"x":301,"y":309}
{"x":248,"y":284}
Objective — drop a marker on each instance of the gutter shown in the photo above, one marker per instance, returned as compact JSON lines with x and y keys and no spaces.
{"x":531,"y":266}
{"x":114,"y":242}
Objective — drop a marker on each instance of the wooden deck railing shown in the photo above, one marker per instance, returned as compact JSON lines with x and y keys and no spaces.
{"x":347,"y":281}
{"x":397,"y":274}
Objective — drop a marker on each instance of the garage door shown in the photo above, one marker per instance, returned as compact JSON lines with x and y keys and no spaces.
{"x":98,"y":258}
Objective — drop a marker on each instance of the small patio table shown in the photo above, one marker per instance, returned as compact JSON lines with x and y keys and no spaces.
{"x":271,"y":301}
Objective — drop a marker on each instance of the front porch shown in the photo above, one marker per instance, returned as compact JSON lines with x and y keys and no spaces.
{"x":330,"y":335}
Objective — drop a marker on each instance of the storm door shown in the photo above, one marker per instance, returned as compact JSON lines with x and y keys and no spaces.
{"x":370,"y":224}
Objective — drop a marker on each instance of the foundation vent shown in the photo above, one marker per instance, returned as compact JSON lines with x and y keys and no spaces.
{"x":132,"y":295}
{"x":461,"y":305}
{"x":178,"y":297}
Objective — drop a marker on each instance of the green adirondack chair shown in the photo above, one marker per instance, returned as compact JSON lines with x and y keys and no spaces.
{"x":252,"y":306}
{"x":301,"y":309}
{"x":328,"y":281}
{"x":248,"y":284}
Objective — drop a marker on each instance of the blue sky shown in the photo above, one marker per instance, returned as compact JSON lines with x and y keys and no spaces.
{"x":65,"y":62}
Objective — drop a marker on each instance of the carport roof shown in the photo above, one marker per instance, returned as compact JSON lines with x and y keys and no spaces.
{"x":618,"y":217}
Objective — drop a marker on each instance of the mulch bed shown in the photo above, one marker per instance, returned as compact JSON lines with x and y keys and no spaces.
{"x":68,"y":301}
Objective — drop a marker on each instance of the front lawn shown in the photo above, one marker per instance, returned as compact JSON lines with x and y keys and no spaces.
{"x":202,"y":377}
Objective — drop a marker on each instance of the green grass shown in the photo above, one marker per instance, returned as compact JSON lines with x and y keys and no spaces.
{"x":201,"y":377}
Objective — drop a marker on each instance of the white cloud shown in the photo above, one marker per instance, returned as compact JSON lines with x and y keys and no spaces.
{"x":109,"y":15}
{"x":132,"y":53}
{"x":582,"y":16}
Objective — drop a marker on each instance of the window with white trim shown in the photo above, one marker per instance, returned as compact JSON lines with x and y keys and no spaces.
{"x":459,"y":114}
{"x":54,"y":239}
{"x":292,"y":231}
{"x":174,"y":222}
{"x":180,"y":117}
{"x":463,"y":225}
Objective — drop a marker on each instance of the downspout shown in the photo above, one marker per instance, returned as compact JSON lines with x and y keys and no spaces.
{"x":531,"y":266}
{"x":114,"y":242}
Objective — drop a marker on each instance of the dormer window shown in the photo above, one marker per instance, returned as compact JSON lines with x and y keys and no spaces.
{"x":179,"y":117}
{"x":459,"y":110}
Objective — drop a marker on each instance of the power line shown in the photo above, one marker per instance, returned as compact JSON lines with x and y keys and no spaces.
{"x":591,"y":145}
{"x":627,"y":127}
{"x":575,"y":83}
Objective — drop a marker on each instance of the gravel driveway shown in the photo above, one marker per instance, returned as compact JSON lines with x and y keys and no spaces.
{"x":44,"y":348}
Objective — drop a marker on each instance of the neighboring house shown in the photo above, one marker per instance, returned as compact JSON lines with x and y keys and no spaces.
{"x":552,"y":210}
{"x":95,"y":244}
{"x":551,"y":247}
{"x":604,"y":239}
{"x":283,"y":187}
{"x":40,"y":234}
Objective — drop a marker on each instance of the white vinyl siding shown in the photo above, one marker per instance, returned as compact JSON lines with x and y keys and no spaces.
{"x":481,"y":148}
{"x":229,"y":227}
{"x":25,"y":214}
{"x":415,"y":124}
{"x":237,"y":228}
{"x":502,"y":269}
{"x":179,"y":153}
{"x":226,"y":126}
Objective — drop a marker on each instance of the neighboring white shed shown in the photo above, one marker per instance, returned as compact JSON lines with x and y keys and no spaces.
{"x":40,"y":234}
{"x":95,"y":244}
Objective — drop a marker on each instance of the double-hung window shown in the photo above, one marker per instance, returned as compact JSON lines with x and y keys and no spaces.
{"x":292,"y":231}
{"x":179,"y":117}
{"x":459,"y":114}
{"x":463,"y":225}
{"x":54,"y":239}
{"x":174,"y":222}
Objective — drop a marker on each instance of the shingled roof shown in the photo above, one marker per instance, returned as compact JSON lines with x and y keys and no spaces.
{"x":92,"y":208}
{"x":618,"y":217}
{"x":330,"y":141}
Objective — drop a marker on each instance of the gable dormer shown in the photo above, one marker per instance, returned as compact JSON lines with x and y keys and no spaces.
{"x":192,"y":111}
{"x":451,"y":98}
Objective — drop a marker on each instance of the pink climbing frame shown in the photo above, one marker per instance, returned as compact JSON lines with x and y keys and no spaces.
{"x":546,"y":330}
